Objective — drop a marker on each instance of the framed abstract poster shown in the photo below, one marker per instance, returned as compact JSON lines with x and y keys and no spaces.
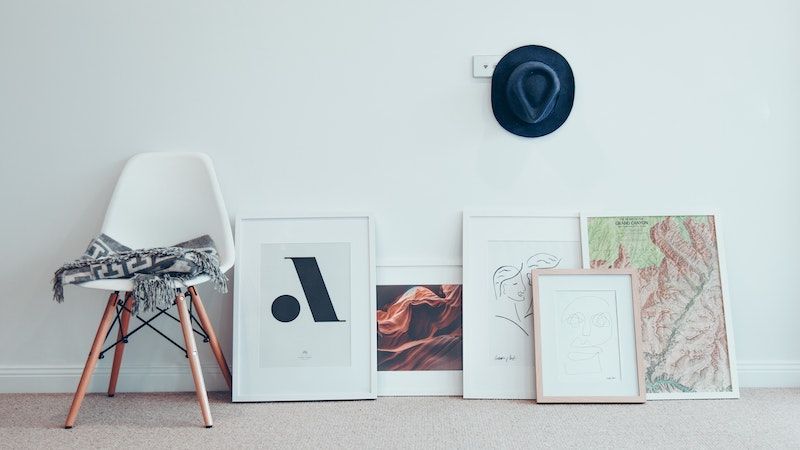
{"x":419,"y":329}
{"x":304,"y":308}
{"x":500,"y":250}
{"x":588,"y":336}
{"x":686,"y":322}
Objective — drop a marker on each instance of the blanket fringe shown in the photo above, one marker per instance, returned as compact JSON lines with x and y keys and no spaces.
{"x":151,"y":292}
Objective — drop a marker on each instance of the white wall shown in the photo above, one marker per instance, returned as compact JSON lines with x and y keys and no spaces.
{"x":370,"y":105}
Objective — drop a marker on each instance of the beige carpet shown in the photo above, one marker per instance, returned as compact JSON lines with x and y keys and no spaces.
{"x":761,"y":418}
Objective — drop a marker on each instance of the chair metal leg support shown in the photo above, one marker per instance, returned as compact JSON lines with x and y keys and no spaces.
{"x":194,"y":360}
{"x":145,"y":323}
{"x":91,"y":360}
{"x":122,"y":331}
{"x":212,"y":336}
{"x":199,"y":333}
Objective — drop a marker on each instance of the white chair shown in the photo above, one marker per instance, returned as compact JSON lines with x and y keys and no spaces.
{"x":162,"y":199}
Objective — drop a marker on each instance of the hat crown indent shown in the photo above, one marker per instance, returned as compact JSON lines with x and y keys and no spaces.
{"x":532,"y":91}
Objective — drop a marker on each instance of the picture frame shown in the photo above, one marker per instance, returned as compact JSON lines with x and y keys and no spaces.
{"x":688,"y":241}
{"x":304,"y":308}
{"x":588,"y":336}
{"x":500,"y":247}
{"x":419,"y":317}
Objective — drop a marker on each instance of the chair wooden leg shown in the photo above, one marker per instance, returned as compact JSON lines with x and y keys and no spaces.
{"x":124,"y":320}
{"x":212,"y":336}
{"x":194,"y":360}
{"x":91,"y":360}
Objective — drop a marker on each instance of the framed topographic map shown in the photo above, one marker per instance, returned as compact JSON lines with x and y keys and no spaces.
{"x":686,"y":325}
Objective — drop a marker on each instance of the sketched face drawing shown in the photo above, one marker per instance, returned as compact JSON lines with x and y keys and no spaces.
{"x":508,"y":284}
{"x":588,"y":323}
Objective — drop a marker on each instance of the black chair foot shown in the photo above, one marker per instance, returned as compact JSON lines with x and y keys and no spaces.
{"x":67,"y":427}
{"x":209,"y":426}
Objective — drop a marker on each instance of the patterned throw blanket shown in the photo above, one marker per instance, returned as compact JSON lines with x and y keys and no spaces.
{"x":153,"y":270}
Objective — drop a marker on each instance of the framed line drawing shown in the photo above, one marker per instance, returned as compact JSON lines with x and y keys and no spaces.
{"x":419,"y":329}
{"x":588,"y":336}
{"x":500,"y":250}
{"x":304,"y":308}
{"x":686,"y":323}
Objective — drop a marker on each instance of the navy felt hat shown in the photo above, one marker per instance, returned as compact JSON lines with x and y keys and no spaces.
{"x":532,"y":91}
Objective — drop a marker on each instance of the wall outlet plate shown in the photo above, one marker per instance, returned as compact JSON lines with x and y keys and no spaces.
{"x":483,"y":65}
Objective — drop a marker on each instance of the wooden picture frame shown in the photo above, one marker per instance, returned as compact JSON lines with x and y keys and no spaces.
{"x":604,"y":332}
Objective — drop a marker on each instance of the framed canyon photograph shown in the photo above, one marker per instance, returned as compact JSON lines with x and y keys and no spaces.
{"x":419,"y":330}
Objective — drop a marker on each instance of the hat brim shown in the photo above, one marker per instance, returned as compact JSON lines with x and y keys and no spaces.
{"x":566,"y":95}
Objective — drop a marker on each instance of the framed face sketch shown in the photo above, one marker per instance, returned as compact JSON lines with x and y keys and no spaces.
{"x":500,"y":251}
{"x":419,"y":329}
{"x":588,"y":336}
{"x":681,"y":267}
{"x":304,"y":309}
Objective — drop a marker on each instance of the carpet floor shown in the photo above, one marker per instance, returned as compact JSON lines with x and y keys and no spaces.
{"x":761,"y":418}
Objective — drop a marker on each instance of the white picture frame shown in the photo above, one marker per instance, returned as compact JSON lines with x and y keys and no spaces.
{"x":648,"y":337}
{"x":588,"y":336}
{"x":304,"y":308}
{"x":415,"y":275}
{"x":498,"y":351}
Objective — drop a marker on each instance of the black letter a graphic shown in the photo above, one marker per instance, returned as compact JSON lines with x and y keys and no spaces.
{"x":314,"y":287}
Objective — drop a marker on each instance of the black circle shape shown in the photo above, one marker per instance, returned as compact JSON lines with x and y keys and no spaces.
{"x":285,"y":308}
{"x":518,"y":95}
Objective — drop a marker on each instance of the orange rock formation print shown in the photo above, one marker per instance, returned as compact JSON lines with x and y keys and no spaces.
{"x":419,"y":327}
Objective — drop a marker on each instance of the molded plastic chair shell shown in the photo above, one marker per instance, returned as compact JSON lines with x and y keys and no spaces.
{"x":162,"y":199}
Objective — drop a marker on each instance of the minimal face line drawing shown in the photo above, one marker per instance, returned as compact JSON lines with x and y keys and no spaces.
{"x":510,"y":285}
{"x":588,"y":322}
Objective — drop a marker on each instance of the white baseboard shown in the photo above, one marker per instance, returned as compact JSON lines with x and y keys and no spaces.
{"x":176,"y":378}
{"x":132,"y":378}
{"x":769,"y":373}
